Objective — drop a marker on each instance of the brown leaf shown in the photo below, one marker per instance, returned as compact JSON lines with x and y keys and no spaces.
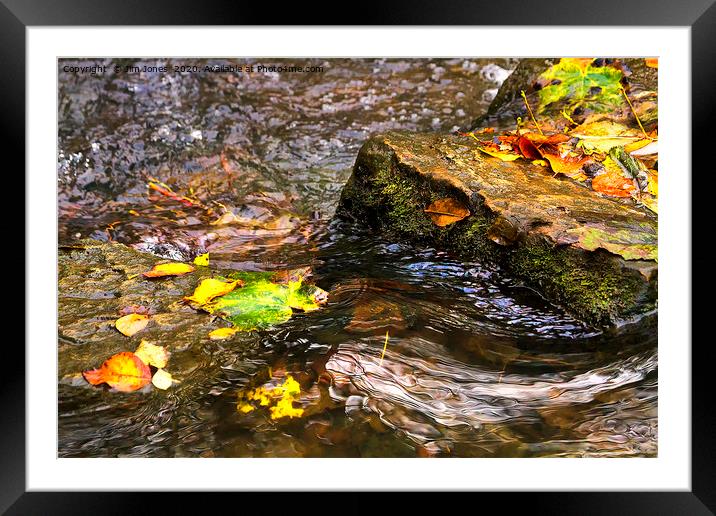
{"x":444,"y":212}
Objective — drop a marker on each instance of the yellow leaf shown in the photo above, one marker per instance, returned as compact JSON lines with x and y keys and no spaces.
{"x":283,"y":395}
{"x":653,"y":186}
{"x":202,"y":259}
{"x":162,"y":379}
{"x":540,"y":162}
{"x":504,"y":156}
{"x":169,"y":269}
{"x":131,"y":324}
{"x":152,"y":354}
{"x":222,"y":333}
{"x":446,"y":211}
{"x":210,"y":288}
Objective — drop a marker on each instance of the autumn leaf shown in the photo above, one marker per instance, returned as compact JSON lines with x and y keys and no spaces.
{"x":528,"y":149}
{"x":570,"y":166}
{"x":152,"y":354}
{"x":124,"y":372}
{"x":278,"y":399}
{"x":162,"y":379}
{"x":613,"y":182}
{"x":652,"y":62}
{"x":444,"y":212}
{"x":576,"y":80}
{"x":495,"y":152}
{"x":602,"y":135}
{"x":202,"y":260}
{"x":222,"y":333}
{"x":653,"y":184}
{"x":210,"y":288}
{"x":130,"y":324}
{"x":262,"y":302}
{"x":169,"y":269}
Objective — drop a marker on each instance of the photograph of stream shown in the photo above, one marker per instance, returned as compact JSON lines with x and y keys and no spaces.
{"x":357,"y":257}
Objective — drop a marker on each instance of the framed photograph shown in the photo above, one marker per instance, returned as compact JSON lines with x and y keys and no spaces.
{"x":417,"y":253}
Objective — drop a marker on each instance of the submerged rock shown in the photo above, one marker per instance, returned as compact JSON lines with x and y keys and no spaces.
{"x":594,"y":256}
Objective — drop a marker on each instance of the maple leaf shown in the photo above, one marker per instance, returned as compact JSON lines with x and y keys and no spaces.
{"x":582,"y":84}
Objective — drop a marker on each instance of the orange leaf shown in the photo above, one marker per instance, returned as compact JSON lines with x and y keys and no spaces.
{"x":569,"y":166}
{"x":169,"y":269}
{"x":446,"y":211}
{"x":543,"y":139}
{"x":652,"y":62}
{"x":613,"y":183}
{"x":124,"y":372}
{"x":130,"y":324}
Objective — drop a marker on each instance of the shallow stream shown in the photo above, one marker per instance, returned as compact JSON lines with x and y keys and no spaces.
{"x":476,"y":364}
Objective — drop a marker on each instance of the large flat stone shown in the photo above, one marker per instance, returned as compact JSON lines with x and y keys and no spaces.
{"x":594,"y":256}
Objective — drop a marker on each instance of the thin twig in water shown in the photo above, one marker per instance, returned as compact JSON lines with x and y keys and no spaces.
{"x":384,"y":347}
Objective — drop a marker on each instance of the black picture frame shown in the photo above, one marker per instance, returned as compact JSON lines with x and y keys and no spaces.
{"x":700,"y":15}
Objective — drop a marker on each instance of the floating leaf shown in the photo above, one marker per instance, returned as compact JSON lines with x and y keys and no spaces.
{"x":202,"y":260}
{"x":581,"y":84}
{"x":222,"y":333}
{"x":162,"y":379}
{"x":124,"y":372}
{"x":131,"y":324}
{"x":153,"y":355}
{"x":169,"y":269}
{"x":444,"y":212}
{"x":262,"y":303}
{"x":210,"y":288}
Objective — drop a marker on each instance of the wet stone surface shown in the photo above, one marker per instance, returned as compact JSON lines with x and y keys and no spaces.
{"x":594,"y":255}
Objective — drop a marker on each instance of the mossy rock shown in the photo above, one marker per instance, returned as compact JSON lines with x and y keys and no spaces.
{"x":594,"y":256}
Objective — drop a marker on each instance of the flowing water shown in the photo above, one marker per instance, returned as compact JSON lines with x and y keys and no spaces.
{"x":475,"y":363}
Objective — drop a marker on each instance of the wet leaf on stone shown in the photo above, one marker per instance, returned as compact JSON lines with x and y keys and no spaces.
{"x":132,"y":323}
{"x":444,"y":212}
{"x":169,"y":269}
{"x":496,"y":152}
{"x":613,"y":182}
{"x":124,"y":372}
{"x":570,"y":166}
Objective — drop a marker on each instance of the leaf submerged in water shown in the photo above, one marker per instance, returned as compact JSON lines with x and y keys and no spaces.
{"x":279,"y":399}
